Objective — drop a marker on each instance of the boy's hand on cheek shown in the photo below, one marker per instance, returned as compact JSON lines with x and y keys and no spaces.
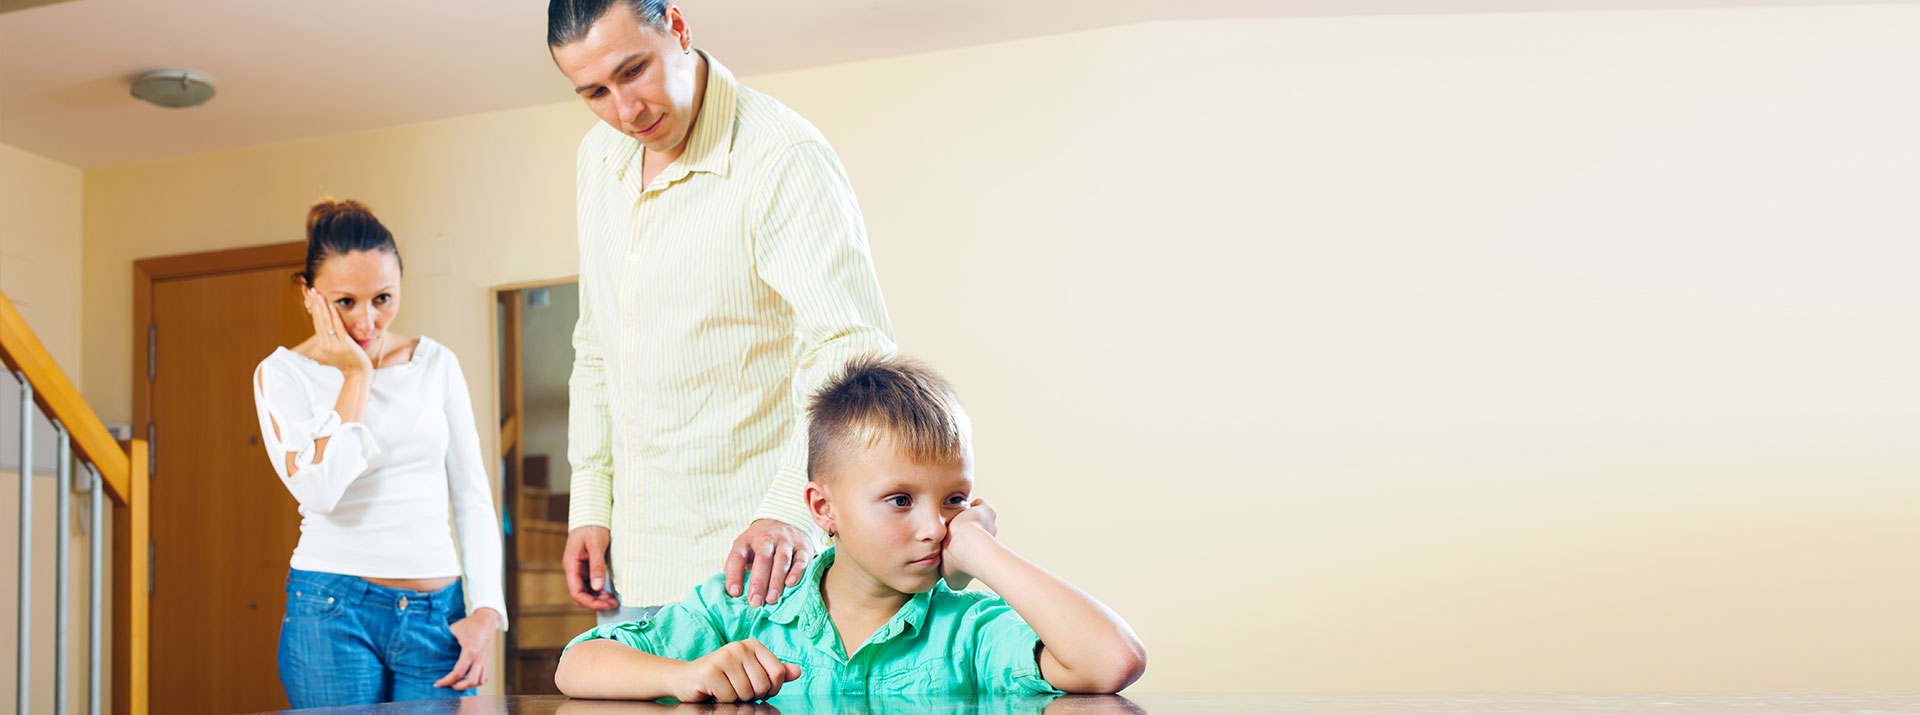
{"x":978,"y":521}
{"x":741,"y":671}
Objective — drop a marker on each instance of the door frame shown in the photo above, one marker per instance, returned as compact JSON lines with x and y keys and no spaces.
{"x":148,"y":271}
{"x":509,"y":396}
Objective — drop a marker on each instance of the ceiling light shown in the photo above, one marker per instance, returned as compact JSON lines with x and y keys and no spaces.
{"x":174,"y":89}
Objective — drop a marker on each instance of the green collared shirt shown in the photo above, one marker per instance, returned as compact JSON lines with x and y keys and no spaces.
{"x":941,"y":641}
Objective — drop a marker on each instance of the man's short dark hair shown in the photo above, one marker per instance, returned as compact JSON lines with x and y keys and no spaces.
{"x":569,"y":20}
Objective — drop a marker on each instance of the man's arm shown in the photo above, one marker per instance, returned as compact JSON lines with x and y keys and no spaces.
{"x":589,"y":434}
{"x":1086,"y":647}
{"x":810,"y":247}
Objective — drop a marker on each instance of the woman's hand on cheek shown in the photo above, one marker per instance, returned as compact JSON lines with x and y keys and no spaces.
{"x":333,"y":346}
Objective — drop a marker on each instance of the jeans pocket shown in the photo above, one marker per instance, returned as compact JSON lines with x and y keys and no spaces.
{"x":308,"y":605}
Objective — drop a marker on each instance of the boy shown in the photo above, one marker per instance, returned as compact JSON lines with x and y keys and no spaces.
{"x":891,"y":461}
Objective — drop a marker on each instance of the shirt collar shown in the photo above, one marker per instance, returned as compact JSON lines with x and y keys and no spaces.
{"x":806,"y":607}
{"x":708,"y":145}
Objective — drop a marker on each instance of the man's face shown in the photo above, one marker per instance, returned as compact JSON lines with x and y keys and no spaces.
{"x":892,"y":513}
{"x":638,"y":79}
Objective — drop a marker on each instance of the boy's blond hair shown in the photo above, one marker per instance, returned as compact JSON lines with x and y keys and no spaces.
{"x":877,"y":398}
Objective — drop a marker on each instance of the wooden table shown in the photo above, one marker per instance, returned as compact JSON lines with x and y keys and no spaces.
{"x":1861,"y":703}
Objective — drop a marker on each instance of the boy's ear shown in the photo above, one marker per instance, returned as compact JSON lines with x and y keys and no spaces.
{"x":819,"y":507}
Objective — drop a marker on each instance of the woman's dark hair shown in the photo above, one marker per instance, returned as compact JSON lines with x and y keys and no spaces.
{"x":569,"y":20}
{"x":337,"y":228}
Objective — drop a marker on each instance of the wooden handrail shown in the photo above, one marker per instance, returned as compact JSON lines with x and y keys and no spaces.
{"x":132,"y":583}
{"x":58,"y":399}
{"x":123,"y":467}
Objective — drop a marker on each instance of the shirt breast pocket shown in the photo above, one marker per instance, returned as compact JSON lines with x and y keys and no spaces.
{"x":926,"y":676}
{"x":817,"y":672}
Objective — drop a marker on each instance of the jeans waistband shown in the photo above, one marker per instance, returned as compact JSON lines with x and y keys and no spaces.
{"x":353,"y":589}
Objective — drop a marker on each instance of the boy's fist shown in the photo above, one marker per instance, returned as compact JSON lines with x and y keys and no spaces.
{"x":740,"y":671}
{"x":976,"y":520}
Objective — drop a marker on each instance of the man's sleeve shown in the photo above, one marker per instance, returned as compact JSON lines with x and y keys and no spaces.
{"x":810,"y":246}
{"x":589,"y":431}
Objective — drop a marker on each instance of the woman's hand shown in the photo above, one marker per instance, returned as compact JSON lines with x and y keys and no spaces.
{"x":332,"y":345}
{"x":977,"y":520}
{"x":475,"y":633}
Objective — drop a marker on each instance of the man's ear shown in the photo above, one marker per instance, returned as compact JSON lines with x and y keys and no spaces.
{"x":676,"y":25}
{"x":819,"y":507}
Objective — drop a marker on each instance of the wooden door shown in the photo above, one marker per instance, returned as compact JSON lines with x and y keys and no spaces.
{"x":223,"y":525}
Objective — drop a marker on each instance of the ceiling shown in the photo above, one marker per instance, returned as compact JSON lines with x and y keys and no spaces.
{"x":289,"y":70}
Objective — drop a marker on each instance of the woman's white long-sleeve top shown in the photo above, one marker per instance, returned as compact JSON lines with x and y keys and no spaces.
{"x":377,"y":502}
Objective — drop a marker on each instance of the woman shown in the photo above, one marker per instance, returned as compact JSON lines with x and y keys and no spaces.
{"x":373,"y":433}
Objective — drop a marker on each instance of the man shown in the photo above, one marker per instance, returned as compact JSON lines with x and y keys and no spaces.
{"x":724,"y":273}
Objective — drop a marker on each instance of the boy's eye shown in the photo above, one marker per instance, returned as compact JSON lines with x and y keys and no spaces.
{"x":956,"y":500}
{"x":900,"y":501}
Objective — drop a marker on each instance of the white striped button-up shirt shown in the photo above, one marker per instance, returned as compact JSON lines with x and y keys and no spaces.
{"x":713,"y":301}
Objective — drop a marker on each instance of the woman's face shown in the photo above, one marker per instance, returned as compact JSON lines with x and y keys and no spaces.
{"x":364,"y":286}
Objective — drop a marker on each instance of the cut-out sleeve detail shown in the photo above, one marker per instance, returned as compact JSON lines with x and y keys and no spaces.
{"x":293,"y":422}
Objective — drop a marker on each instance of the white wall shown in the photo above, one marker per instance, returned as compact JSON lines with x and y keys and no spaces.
{"x":1474,"y":352}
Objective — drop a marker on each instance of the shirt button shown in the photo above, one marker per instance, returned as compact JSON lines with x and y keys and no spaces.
{"x":633,"y":258}
{"x":403,"y":603}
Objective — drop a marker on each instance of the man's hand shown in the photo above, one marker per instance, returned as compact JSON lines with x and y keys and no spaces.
{"x":741,"y":671}
{"x":475,"y":633}
{"x":776,"y":552}
{"x":977,"y":519}
{"x":585,"y":562}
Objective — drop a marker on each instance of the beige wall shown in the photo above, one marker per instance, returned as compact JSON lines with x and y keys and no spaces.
{"x":40,"y":273}
{"x":40,"y":249}
{"x":1481,"y":352}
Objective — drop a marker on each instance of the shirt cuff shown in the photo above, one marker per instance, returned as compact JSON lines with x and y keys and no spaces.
{"x":592,"y":500}
{"x":785,"y":502}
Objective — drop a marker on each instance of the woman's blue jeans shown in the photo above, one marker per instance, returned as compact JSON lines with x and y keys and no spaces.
{"x":345,"y":641}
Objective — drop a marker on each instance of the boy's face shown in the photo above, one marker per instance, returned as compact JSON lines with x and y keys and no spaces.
{"x":890,"y":513}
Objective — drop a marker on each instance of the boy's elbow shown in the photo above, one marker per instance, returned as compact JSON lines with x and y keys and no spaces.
{"x":1136,"y":666}
{"x":566,"y":677}
{"x":1125,"y":670}
{"x":1113,"y":674}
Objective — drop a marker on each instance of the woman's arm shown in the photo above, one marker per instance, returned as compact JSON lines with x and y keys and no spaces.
{"x":471,"y":493}
{"x":299,"y":439}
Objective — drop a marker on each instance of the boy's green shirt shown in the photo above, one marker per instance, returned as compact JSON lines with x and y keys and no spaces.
{"x":942,"y":641}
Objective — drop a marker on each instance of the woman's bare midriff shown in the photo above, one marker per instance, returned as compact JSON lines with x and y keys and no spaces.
{"x":413,"y":584}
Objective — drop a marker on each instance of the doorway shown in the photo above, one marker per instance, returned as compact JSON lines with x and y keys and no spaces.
{"x":534,"y":324}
